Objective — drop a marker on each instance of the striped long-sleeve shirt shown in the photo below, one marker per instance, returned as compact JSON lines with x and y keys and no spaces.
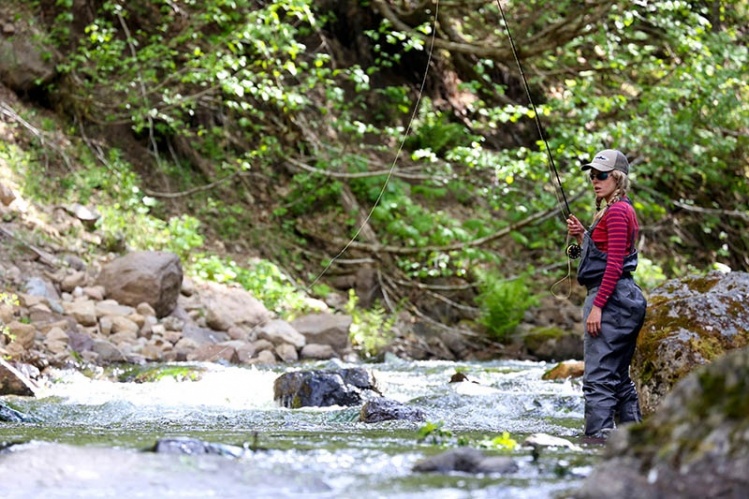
{"x":614,"y":235}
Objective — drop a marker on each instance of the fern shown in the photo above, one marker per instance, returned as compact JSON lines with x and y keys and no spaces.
{"x":503,"y":304}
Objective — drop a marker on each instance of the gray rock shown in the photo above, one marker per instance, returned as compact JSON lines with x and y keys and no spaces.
{"x":343,"y":387}
{"x":24,"y":61}
{"x":317,"y":352}
{"x":107,"y":352}
{"x":287,"y":352}
{"x":466,"y":460}
{"x":695,"y":445}
{"x":381,"y":409}
{"x":10,"y":415}
{"x":153,"y":277}
{"x":14,"y":382}
{"x":690,"y":322}
{"x":325,"y":329}
{"x":193,"y":446}
{"x":226,"y":307}
{"x":279,"y":332}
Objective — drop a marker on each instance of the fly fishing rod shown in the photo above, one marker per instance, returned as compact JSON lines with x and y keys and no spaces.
{"x":572,"y":250}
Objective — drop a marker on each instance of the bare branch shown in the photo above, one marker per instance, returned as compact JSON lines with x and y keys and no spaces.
{"x":574,"y":24}
{"x":400,"y":250}
{"x":379,"y":173}
{"x":744,"y":215}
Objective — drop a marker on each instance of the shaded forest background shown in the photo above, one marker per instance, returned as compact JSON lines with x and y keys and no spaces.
{"x":383,"y":146}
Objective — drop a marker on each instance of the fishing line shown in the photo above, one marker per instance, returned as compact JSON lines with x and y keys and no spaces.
{"x":397,"y":154}
{"x":572,"y":250}
{"x":535,"y":112}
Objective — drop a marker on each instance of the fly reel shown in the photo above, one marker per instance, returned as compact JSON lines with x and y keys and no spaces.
{"x":574,"y":251}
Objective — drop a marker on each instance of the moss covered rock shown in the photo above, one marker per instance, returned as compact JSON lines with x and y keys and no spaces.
{"x":696,"y":444}
{"x":690,"y":322}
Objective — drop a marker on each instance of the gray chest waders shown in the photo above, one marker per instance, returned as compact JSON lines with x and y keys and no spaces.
{"x":609,"y":392}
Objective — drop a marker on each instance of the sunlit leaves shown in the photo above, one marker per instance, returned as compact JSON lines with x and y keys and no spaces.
{"x":654,"y":79}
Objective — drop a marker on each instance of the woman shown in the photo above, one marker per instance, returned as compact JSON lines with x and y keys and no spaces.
{"x":614,"y":309}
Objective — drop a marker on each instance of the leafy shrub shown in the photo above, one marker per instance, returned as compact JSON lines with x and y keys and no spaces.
{"x":262,"y":278}
{"x":503,"y":304}
{"x":9,"y":299}
{"x":436,"y":434}
{"x":649,"y":275}
{"x":371,"y":329}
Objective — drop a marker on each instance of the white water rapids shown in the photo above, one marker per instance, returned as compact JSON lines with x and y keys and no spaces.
{"x":90,"y":436}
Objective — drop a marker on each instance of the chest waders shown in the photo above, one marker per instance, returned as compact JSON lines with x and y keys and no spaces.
{"x":610,"y":394}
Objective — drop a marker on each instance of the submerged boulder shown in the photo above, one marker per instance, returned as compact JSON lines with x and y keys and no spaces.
{"x":466,"y":460}
{"x":344,"y":387}
{"x":381,"y":409}
{"x":696,"y":444}
{"x":193,"y":446}
{"x":690,"y":322}
{"x":10,"y":415}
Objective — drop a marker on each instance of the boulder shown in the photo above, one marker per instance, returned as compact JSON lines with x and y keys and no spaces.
{"x":279,"y":332}
{"x":24,"y":61}
{"x":226,"y":307}
{"x":10,"y":415}
{"x":466,"y":460}
{"x":564,"y":370}
{"x":193,"y":446}
{"x":13,"y":382}
{"x":152,"y":277}
{"x":695,"y":445}
{"x":689,"y":323}
{"x":317,"y":352}
{"x":287,"y":352}
{"x":381,"y":409}
{"x":325,"y":329}
{"x":7,"y":195}
{"x":343,"y":387}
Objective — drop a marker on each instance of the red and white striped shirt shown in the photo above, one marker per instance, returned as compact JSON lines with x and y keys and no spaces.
{"x":614,"y":235}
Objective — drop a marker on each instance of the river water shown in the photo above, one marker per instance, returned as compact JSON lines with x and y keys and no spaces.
{"x":92,"y":432}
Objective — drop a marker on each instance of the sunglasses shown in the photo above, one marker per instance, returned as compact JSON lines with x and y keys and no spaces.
{"x":599,"y":176}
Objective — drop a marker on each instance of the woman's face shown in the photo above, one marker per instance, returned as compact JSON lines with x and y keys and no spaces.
{"x":603,"y":184}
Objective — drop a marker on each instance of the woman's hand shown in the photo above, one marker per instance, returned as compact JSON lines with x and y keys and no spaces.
{"x":575,"y":228}
{"x":593,"y":322}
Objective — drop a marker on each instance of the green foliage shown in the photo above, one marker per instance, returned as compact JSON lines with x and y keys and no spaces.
{"x":390,"y":44}
{"x":675,"y":103}
{"x":152,"y":374}
{"x":127,"y":214}
{"x":371,"y":329}
{"x":503,"y":442}
{"x":310,"y":192}
{"x":432,"y":131}
{"x":8,"y":299}
{"x":503,"y":304}
{"x":262,"y":278}
{"x":321,"y":290}
{"x":250,"y":84}
{"x":140,"y":231}
{"x":649,"y":275}
{"x":436,"y":434}
{"x":21,"y":161}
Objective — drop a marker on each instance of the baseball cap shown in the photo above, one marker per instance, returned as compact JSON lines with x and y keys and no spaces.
{"x":607,"y":160}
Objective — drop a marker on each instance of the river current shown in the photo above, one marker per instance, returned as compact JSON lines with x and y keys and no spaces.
{"x":92,"y":433}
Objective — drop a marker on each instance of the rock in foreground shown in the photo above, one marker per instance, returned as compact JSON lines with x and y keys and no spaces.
{"x":695,"y":446}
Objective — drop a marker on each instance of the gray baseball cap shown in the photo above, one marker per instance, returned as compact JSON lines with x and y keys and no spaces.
{"x":608,"y":160}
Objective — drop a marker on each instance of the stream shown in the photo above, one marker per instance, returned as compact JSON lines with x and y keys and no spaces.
{"x":92,"y":432}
